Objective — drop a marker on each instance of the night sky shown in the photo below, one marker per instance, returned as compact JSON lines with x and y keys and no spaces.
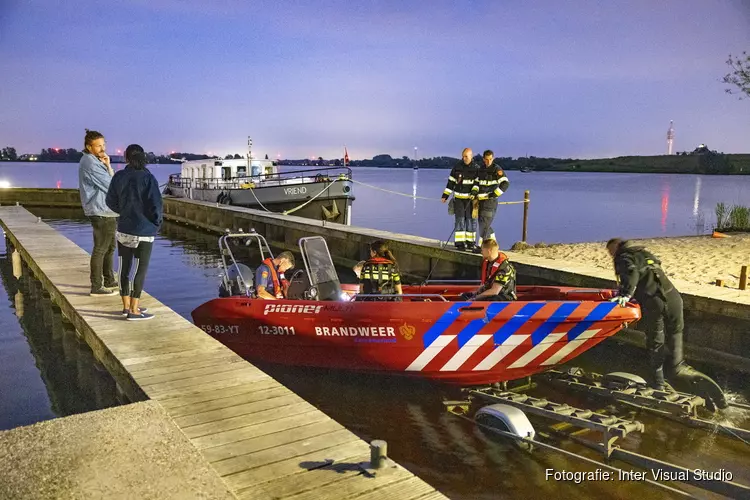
{"x":545,"y":78}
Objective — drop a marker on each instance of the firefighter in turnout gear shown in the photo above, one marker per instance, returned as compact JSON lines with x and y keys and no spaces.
{"x":498,"y":275}
{"x":492,"y":183}
{"x":640,"y":276}
{"x":462,"y":185}
{"x":379,"y":275}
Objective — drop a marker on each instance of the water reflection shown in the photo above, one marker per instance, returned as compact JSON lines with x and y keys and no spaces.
{"x":74,"y":382}
{"x":697,"y":196}
{"x":664,"y":206}
{"x":415,"y":177}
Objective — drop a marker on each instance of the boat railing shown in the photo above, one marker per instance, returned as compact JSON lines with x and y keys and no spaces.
{"x":225,"y":250}
{"x":452,"y":282}
{"x":306,"y":176}
{"x":414,"y":295}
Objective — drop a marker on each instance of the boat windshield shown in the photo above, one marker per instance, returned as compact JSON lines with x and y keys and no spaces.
{"x":320,"y":268}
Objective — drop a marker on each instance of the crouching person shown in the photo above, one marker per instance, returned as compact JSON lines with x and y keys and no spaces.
{"x":498,"y":275}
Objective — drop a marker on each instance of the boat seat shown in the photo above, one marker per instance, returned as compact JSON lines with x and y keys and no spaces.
{"x":299,"y":285}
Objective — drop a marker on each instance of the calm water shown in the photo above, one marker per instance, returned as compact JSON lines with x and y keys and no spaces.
{"x":41,"y":378}
{"x":565,"y":206}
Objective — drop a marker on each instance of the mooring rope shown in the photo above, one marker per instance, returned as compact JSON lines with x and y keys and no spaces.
{"x":422,"y":197}
{"x":292,"y":210}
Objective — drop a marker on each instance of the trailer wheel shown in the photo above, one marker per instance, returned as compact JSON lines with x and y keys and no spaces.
{"x":506,"y":418}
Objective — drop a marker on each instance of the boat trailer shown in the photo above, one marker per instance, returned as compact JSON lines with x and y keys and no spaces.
{"x":503,"y":409}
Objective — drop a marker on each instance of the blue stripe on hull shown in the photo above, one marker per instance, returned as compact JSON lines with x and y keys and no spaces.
{"x":473,"y":327}
{"x":556,"y":318}
{"x":443,"y":323}
{"x":598,"y":314}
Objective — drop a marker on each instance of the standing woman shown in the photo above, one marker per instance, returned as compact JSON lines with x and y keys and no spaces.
{"x":134,"y":194}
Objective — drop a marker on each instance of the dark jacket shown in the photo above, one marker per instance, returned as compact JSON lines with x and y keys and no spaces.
{"x":639,"y":273}
{"x":462,"y":181}
{"x":134,"y":194}
{"x":492,"y":182}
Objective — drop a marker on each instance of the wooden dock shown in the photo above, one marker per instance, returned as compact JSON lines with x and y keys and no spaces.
{"x":261,"y":438}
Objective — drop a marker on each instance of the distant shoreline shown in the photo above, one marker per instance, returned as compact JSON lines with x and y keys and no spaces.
{"x":696,"y":164}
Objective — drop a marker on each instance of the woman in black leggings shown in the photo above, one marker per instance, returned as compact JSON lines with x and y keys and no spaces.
{"x":134,"y":195}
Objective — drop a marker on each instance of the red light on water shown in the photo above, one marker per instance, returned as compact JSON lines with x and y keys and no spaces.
{"x":664,"y":207}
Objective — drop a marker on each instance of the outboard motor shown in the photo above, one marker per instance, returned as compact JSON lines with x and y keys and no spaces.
{"x":232,"y":283}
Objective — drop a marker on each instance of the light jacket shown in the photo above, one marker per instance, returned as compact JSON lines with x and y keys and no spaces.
{"x":93,"y":184}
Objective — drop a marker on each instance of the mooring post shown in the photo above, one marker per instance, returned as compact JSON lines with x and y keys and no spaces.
{"x":719,"y":282}
{"x":743,"y":278}
{"x":378,"y":453}
{"x":525,"y":214}
{"x":16,"y":259}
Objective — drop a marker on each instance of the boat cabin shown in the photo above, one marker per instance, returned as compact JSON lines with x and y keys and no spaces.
{"x":227,"y":173}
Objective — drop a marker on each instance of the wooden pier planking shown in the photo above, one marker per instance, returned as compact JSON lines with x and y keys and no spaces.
{"x":263,"y":439}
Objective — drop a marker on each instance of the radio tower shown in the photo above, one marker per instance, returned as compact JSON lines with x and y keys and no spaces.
{"x":670,"y":138}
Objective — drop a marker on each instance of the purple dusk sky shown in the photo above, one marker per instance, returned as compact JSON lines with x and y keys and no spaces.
{"x":579,"y":79}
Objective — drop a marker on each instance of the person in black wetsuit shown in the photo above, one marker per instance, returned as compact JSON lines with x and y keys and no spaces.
{"x":641,"y":277}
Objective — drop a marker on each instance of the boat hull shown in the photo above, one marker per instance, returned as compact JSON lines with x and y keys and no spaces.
{"x":331,"y":202}
{"x":456,"y":342}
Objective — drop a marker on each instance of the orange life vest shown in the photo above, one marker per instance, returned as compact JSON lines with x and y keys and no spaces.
{"x":278,"y":291}
{"x":489,"y":270}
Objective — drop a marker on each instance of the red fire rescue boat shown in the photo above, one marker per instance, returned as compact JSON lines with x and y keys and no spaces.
{"x":431,"y":333}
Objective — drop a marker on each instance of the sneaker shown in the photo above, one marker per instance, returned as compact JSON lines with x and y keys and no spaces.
{"x":125,"y":312}
{"x":139,"y":317}
{"x":101,"y":292}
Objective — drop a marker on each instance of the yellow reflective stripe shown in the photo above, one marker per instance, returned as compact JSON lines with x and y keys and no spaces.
{"x":462,"y":196}
{"x":498,"y":192}
{"x":447,"y":191}
{"x":502,"y":179}
{"x":452,"y":179}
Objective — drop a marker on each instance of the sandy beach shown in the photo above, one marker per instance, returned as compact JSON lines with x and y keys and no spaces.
{"x":696,"y":259}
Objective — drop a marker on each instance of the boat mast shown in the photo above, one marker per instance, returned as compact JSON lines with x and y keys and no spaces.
{"x":249,"y":148}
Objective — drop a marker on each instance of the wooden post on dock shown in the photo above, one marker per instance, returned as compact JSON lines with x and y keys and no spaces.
{"x":525,"y":214}
{"x":16,"y":259}
{"x":378,"y":453}
{"x":743,"y":278}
